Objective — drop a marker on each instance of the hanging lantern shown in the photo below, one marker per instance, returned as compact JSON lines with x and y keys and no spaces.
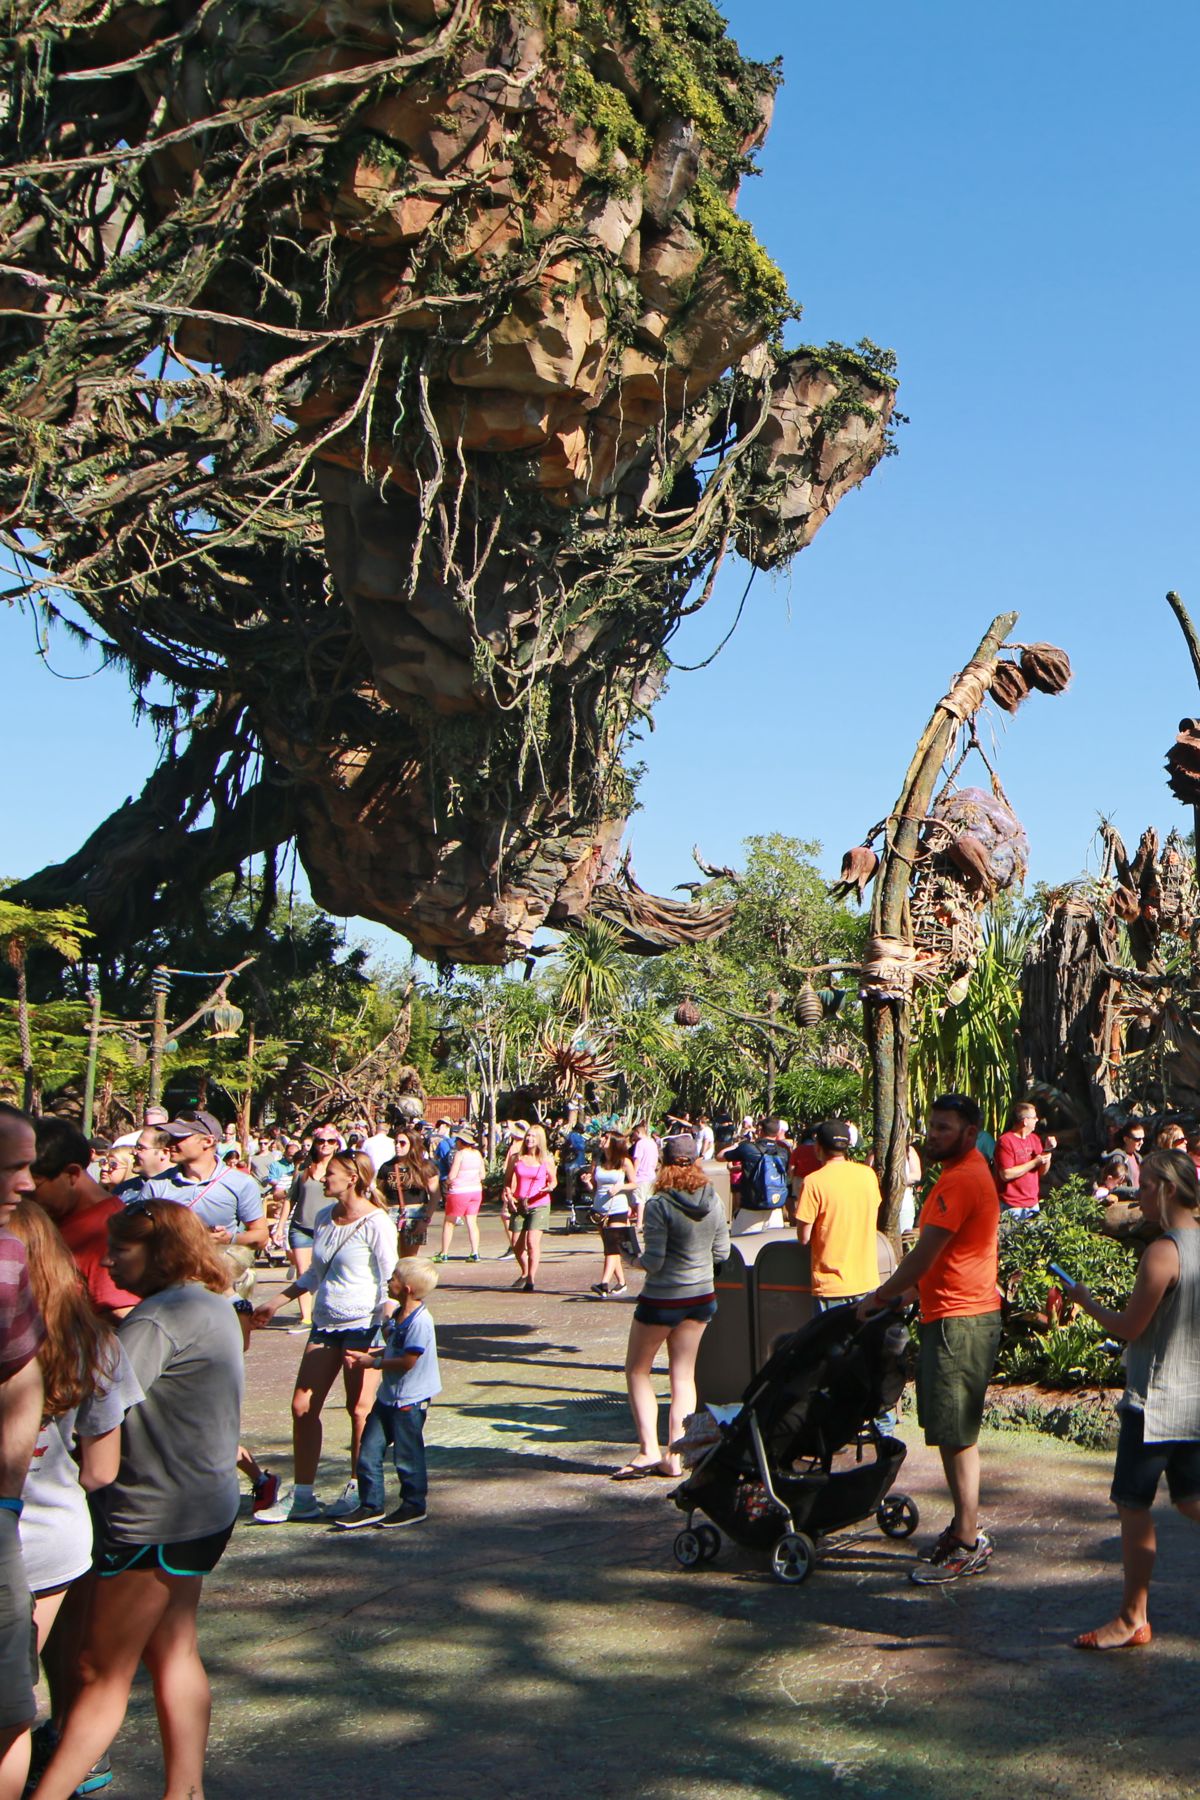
{"x":687,"y":1013}
{"x":1046,"y":668}
{"x":226,"y":1019}
{"x":807,"y":1008}
{"x":1009,"y":686}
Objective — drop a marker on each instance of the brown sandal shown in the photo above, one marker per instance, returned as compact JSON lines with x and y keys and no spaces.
{"x":1089,"y":1640}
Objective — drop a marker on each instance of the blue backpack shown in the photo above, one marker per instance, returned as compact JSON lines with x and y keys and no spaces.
{"x":769,"y":1183}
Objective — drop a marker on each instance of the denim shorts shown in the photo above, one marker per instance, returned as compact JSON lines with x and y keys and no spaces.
{"x":299,"y":1237}
{"x":666,"y":1313}
{"x":344,"y":1337}
{"x":1140,"y":1466}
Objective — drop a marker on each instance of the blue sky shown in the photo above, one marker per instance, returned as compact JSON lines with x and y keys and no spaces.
{"x":1008,"y":198}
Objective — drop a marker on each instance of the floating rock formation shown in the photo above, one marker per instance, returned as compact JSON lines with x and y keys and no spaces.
{"x":390,"y":378}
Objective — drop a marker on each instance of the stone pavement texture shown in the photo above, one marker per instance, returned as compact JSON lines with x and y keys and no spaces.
{"x":535,"y":1637}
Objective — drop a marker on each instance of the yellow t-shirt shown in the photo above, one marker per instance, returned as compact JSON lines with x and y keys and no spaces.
{"x":841,"y":1202}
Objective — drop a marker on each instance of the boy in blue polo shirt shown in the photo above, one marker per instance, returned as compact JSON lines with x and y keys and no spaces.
{"x":411,"y":1379}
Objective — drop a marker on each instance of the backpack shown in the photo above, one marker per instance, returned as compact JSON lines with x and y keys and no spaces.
{"x":768,"y":1184}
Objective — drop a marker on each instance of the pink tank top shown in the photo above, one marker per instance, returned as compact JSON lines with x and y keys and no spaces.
{"x":469,"y":1179}
{"x":531,"y":1178}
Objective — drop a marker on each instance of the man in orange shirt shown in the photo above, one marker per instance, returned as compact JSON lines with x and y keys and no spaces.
{"x":953,"y":1265}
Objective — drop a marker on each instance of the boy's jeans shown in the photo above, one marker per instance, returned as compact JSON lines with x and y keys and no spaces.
{"x":403,"y":1427}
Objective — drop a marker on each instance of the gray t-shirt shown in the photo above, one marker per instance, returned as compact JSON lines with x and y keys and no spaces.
{"x":309,"y":1199}
{"x":178,"y":1475}
{"x":56,"y":1526}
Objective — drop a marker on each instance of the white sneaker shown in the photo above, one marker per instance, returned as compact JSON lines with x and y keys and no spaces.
{"x":346,"y":1502}
{"x":287,"y":1510}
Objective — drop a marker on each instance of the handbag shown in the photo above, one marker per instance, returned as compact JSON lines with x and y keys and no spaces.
{"x":631,"y":1244}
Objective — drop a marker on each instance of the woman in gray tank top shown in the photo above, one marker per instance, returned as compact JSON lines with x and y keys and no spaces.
{"x":1160,"y":1410}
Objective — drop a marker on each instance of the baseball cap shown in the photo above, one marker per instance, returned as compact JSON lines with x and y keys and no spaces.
{"x":834,"y":1134}
{"x":199,"y":1121}
{"x":681,"y":1148}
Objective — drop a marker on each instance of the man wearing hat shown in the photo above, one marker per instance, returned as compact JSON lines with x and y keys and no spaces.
{"x":837,"y":1216}
{"x":223,"y":1198}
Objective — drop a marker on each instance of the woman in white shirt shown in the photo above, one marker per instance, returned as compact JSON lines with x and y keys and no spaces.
{"x":355,"y":1250}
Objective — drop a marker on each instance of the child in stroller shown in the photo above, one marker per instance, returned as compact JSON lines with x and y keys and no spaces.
{"x":769,"y":1480}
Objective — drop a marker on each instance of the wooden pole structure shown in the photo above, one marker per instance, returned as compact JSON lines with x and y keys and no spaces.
{"x":244,"y":1108}
{"x":160,"y":987}
{"x":886,"y":1020}
{"x":89,"y":1085}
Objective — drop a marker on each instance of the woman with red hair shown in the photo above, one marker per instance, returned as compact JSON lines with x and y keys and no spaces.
{"x":169,"y":1514}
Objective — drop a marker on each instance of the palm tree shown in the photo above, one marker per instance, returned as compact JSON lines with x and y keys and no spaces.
{"x":971,"y":1047}
{"x":594,"y":971}
{"x":22,"y":929}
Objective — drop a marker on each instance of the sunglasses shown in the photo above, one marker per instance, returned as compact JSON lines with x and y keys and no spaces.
{"x":138,"y":1209}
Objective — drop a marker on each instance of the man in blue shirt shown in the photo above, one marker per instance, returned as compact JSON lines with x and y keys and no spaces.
{"x":572,"y":1160}
{"x":442,"y":1147}
{"x":223,"y":1198}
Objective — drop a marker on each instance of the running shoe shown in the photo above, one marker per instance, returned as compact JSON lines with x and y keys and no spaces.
{"x":953,"y":1560}
{"x":601,"y":1288}
{"x":505,"y":1254}
{"x":99,"y":1776}
{"x":266,"y":1491}
{"x":474,"y":1256}
{"x":405,"y":1514}
{"x":346,"y":1503}
{"x":932,"y":1551}
{"x":439,"y":1257}
{"x":362,"y":1515}
{"x":287,"y":1510}
{"x":618,"y":1287}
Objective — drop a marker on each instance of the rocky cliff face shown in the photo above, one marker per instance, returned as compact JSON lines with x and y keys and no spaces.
{"x":462,"y":318}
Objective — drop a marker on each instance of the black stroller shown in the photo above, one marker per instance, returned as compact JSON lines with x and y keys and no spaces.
{"x":769,"y":1482}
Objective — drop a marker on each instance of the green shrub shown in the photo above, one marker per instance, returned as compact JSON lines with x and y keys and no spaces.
{"x":1066,"y":1232}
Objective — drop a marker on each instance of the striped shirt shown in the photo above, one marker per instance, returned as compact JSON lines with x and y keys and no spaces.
{"x":21,"y":1329}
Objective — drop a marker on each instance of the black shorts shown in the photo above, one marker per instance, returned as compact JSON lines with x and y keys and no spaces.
{"x":1141,"y":1466}
{"x":345,"y":1337}
{"x":188,"y":1556}
{"x":674,"y":1312}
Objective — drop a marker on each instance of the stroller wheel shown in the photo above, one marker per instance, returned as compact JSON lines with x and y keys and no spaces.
{"x":897,"y":1515}
{"x":689,"y":1548}
{"x":710,"y":1542}
{"x":793,"y":1558}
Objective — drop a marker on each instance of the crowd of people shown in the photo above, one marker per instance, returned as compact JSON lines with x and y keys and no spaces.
{"x":126,"y":1309}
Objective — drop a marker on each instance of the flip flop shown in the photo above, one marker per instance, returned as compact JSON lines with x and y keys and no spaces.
{"x":1087,"y":1640}
{"x":635,"y":1472}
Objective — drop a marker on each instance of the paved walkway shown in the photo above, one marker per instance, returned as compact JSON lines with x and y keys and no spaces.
{"x":536,"y":1639}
